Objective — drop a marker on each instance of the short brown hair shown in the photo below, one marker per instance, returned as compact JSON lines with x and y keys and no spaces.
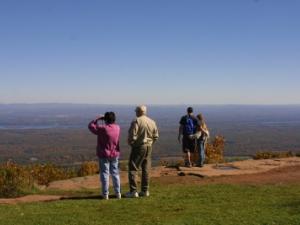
{"x":109,"y":117}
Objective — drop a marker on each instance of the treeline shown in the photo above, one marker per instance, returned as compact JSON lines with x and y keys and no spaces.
{"x":73,"y":146}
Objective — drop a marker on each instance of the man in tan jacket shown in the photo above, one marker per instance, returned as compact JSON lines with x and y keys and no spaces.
{"x":142,"y":134}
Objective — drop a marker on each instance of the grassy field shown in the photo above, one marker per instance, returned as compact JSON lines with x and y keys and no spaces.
{"x":170,"y":204}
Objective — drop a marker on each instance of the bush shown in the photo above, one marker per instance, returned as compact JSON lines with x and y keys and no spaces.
{"x":14,"y":180}
{"x":214,"y":151}
{"x":88,"y":168}
{"x":43,"y":174}
{"x":271,"y":155}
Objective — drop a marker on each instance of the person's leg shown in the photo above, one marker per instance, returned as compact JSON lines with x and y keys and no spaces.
{"x":192,"y":151}
{"x":201,"y":151}
{"x":135,"y":160}
{"x":188,"y":158}
{"x":114,"y":171}
{"x":186,"y":150}
{"x":146,"y":167}
{"x":104,"y":176}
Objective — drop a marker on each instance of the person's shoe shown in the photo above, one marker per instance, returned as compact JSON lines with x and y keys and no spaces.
{"x":105,"y":197}
{"x":187,"y":164}
{"x":144,"y":194}
{"x":118,"y":196}
{"x":133,"y":194}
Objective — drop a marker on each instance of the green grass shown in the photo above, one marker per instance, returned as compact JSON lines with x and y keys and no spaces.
{"x":173,"y":204}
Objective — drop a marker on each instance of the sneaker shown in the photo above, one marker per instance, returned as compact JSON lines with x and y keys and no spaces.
{"x":105,"y":197}
{"x":133,"y":194}
{"x":118,"y":196}
{"x":144,"y":194}
{"x":187,"y":164}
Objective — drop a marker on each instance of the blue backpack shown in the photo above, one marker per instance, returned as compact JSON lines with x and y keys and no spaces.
{"x":189,"y":127}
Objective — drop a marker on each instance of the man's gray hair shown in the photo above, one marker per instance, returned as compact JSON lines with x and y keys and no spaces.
{"x":142,"y":109}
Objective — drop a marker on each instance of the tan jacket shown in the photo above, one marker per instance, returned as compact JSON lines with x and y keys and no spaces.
{"x":143,"y":131}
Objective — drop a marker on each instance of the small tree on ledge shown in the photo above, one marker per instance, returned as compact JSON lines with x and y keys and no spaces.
{"x":215,"y":150}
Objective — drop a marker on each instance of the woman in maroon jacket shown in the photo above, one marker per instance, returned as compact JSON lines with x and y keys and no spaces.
{"x":108,"y":151}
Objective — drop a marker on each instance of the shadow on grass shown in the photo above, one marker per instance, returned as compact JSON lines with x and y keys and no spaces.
{"x":87,"y":197}
{"x":293,"y":207}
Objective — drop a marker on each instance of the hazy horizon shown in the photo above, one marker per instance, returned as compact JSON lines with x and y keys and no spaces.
{"x":26,"y":130}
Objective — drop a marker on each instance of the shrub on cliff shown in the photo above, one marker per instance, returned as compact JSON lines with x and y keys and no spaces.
{"x":88,"y":168}
{"x":215,"y":150}
{"x":271,"y":155}
{"x":14,"y":179}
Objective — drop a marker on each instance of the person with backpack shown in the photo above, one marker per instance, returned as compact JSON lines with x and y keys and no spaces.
{"x":108,"y":151}
{"x":188,"y":127}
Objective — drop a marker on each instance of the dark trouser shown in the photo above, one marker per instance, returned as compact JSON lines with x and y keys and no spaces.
{"x":140,"y":157}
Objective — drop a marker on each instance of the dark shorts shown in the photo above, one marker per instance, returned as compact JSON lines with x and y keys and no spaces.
{"x":188,"y":145}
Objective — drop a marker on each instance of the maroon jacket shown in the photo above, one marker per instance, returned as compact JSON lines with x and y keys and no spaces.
{"x":108,"y":143}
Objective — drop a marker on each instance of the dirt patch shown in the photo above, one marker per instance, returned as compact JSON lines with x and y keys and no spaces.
{"x":241,"y":168}
{"x":30,"y":198}
{"x":283,"y":175}
{"x":80,"y":183}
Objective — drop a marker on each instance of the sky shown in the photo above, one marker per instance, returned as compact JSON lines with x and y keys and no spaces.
{"x":150,"y":51}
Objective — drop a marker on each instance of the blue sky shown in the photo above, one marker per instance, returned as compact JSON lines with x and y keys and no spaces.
{"x":150,"y":51}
